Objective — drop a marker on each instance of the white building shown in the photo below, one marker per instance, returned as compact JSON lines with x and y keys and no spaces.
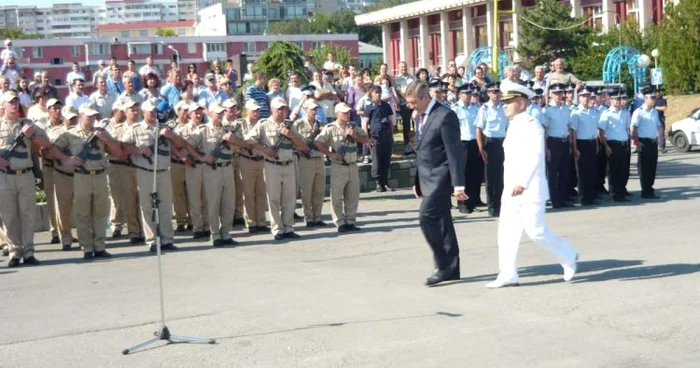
{"x":67,"y":20}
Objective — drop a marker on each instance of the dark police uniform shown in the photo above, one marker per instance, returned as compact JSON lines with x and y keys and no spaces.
{"x":381,"y":134}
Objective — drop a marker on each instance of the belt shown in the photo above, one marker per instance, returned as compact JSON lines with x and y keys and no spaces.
{"x":89,"y":172}
{"x":559,"y":139}
{"x":150,"y":170}
{"x":624,"y":143}
{"x":279,"y":163}
{"x":48,"y":164}
{"x":223,"y":164}
{"x":122,"y":163}
{"x":253,"y":158}
{"x":16,"y":172}
{"x":489,"y":139}
{"x":649,"y":139}
{"x":176,"y":162}
{"x":63,"y":172}
{"x":586,"y":140}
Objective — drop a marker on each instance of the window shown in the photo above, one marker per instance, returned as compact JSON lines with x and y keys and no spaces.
{"x":75,"y":50}
{"x":58,"y":82}
{"x":140,"y":49}
{"x":159,"y":49}
{"x":481,"y":36}
{"x":143,"y":33}
{"x":251,"y":47}
{"x":191,"y":48}
{"x":216,"y":47}
{"x":57,"y":61}
{"x":181,"y":32}
{"x":37,"y":52}
{"x":125,"y":33}
{"x":100,"y":49}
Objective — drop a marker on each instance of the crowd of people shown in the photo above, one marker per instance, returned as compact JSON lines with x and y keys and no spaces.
{"x":237,"y":150}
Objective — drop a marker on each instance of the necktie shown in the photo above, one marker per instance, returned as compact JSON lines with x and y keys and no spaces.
{"x":421,"y":125}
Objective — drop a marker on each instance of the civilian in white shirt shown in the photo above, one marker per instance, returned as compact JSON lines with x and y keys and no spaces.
{"x":8,"y":51}
{"x":525,"y":191}
{"x":149,"y":68}
{"x":101,"y":99}
{"x":330,"y":64}
{"x":293,"y":93}
{"x":102,"y":70}
{"x":11,"y":71}
{"x":77,"y":98}
{"x":73,"y":75}
{"x":349,"y":80}
{"x":325,"y":94}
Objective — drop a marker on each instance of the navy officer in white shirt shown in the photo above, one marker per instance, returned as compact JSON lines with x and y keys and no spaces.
{"x":645,"y":124}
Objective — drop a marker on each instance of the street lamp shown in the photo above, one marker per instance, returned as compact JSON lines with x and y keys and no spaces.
{"x":655,"y":55}
{"x":176,"y":53}
{"x":644,"y":61}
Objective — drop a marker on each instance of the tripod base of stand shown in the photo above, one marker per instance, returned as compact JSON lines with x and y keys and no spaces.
{"x":164,"y":334}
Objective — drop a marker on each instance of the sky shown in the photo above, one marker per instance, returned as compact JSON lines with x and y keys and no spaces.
{"x":48,"y":3}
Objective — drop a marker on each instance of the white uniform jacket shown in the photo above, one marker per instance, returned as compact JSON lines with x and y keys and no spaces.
{"x":524,"y":163}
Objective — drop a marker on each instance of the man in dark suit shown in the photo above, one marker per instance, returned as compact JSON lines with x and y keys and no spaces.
{"x":440,"y":168}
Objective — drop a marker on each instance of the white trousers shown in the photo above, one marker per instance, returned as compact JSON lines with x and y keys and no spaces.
{"x":529,"y":217}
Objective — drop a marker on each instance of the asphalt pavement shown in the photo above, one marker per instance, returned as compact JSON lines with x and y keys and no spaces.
{"x":358,"y":300}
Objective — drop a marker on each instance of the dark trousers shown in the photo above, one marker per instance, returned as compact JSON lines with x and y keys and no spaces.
{"x":558,"y":169}
{"x":405,"y":114}
{"x":438,"y":229}
{"x":647,"y":159}
{"x":494,"y":174}
{"x":381,"y":157}
{"x":586,"y":167}
{"x":616,"y":165}
{"x":473,"y":173}
{"x":601,"y":167}
{"x":573,"y":175}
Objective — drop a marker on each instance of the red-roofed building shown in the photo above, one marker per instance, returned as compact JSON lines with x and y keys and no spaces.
{"x":143,"y":29}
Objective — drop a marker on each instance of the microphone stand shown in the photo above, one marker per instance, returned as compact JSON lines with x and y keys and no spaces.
{"x":164,"y":332}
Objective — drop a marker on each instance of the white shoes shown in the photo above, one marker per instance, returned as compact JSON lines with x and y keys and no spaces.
{"x":569,"y":269}
{"x":499,"y":283}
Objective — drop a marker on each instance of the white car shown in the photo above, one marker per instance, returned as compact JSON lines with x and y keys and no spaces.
{"x":686,"y":133}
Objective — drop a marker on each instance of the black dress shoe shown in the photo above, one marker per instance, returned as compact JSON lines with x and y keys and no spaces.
{"x":66,"y":247}
{"x":264,"y":228}
{"x":463,"y":208}
{"x":117,"y":233}
{"x":620,"y":199}
{"x":310,"y":224}
{"x":603,"y":191}
{"x":448,"y":274}
{"x":75,"y":240}
{"x":197,"y":235}
{"x":14,"y":262}
{"x":292,"y":235}
{"x":230,"y":241}
{"x":168,"y":246}
{"x":253,"y":230}
{"x":55,"y":240}
{"x":320,"y":223}
{"x":103,"y":254}
{"x":238,"y":221}
{"x":353,"y":227}
{"x":480,"y":204}
{"x":219,"y":242}
{"x":297,"y":217}
{"x":31,"y":261}
{"x":190,"y":227}
{"x":88,"y":256}
{"x":180,"y":228}
{"x":279,"y":237}
{"x":206,"y":233}
{"x":137,"y":240}
{"x":343,"y":229}
{"x":152,"y":248}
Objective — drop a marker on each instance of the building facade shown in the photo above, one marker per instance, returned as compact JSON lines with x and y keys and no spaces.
{"x":428,"y":33}
{"x":57,"y":56}
{"x":144,"y":29}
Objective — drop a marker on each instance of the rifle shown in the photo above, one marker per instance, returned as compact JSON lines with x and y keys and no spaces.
{"x":216,"y":151}
{"x":280,"y":137}
{"x":170,"y":124}
{"x":311,"y":142}
{"x":344,"y":144}
{"x":91,"y":142}
{"x":18,"y":142}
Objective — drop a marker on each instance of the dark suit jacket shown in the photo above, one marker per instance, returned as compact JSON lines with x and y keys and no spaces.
{"x":440,"y":157}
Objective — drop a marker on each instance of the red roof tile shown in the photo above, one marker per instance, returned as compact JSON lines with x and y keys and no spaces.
{"x":144,"y":25}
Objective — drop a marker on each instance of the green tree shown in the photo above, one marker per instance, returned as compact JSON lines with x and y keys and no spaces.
{"x":537,"y":45}
{"x":679,"y":46}
{"x":342,"y":55}
{"x":165,"y":32}
{"x":280,"y":60}
{"x":17,"y":34}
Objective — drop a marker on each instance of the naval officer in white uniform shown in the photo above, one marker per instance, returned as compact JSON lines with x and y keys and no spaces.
{"x":525,"y":191}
